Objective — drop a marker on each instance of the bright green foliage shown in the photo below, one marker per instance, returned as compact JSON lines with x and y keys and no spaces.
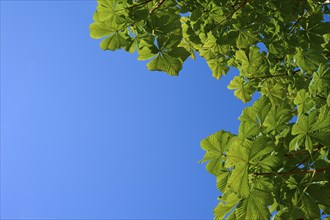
{"x":280,"y":159}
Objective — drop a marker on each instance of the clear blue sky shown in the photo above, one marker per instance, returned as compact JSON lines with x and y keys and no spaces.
{"x":93,"y":134}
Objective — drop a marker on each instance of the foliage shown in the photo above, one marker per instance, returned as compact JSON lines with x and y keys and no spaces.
{"x":278,"y":164}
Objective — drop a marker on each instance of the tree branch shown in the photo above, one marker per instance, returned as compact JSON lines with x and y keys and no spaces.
{"x":298,"y":172}
{"x":272,"y":76}
{"x":303,"y":161}
{"x":291,"y":171}
{"x":156,"y":6}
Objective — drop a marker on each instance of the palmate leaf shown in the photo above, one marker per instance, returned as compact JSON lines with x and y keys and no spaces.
{"x":115,"y":38}
{"x":243,"y":89}
{"x":323,"y":120}
{"x":248,"y":130}
{"x":216,"y":167}
{"x":114,"y":41}
{"x":166,"y":63}
{"x":222,"y":180}
{"x":321,"y":193}
{"x":261,"y":107}
{"x":252,"y":62}
{"x":242,"y":157}
{"x":309,"y":207}
{"x":303,"y":101}
{"x":314,"y":28}
{"x":238,"y":156}
{"x":275,"y":91}
{"x":320,"y":83}
{"x":218,"y":66}
{"x":146,"y":48}
{"x":169,"y":57}
{"x":255,"y":206}
{"x":249,"y":126}
{"x":245,"y":39}
{"x":252,"y":118}
{"x":308,"y":60}
{"x":278,"y":118}
{"x":216,"y":144}
{"x":110,"y":11}
{"x":228,"y":203}
{"x":211,"y":48}
{"x":303,"y":129}
{"x":99,"y":30}
{"x":321,"y":128}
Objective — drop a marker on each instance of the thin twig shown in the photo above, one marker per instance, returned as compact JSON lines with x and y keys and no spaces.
{"x":292,"y":154}
{"x":241,"y":5}
{"x":156,"y":6}
{"x":302,"y":14}
{"x":136,"y":5}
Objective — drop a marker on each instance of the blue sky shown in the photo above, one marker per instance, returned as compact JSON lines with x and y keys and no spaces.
{"x":93,"y":134}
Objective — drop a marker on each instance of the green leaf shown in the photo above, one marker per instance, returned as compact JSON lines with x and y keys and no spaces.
{"x":108,"y":10}
{"x":239,"y":182}
{"x":222,"y":180}
{"x":146,"y":53}
{"x":255,"y":206}
{"x":166,"y":63}
{"x":261,"y":107}
{"x":321,"y":193}
{"x":308,"y":60}
{"x":251,"y":63}
{"x":250,"y":116}
{"x":216,"y":167}
{"x":303,"y":128}
{"x":275,"y":92}
{"x":218,"y":66}
{"x":303,"y":101}
{"x":248,"y":130}
{"x":320,"y":84}
{"x":114,"y":42}
{"x":215,"y":145}
{"x":245,"y":39}
{"x":309,"y":207}
{"x":278,"y":118}
{"x":226,"y":206}
{"x":98,"y":30}
{"x":243,"y":90}
{"x":241,"y":157}
{"x":238,"y":154}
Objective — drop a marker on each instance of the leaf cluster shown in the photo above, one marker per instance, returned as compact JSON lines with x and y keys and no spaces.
{"x":278,"y":164}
